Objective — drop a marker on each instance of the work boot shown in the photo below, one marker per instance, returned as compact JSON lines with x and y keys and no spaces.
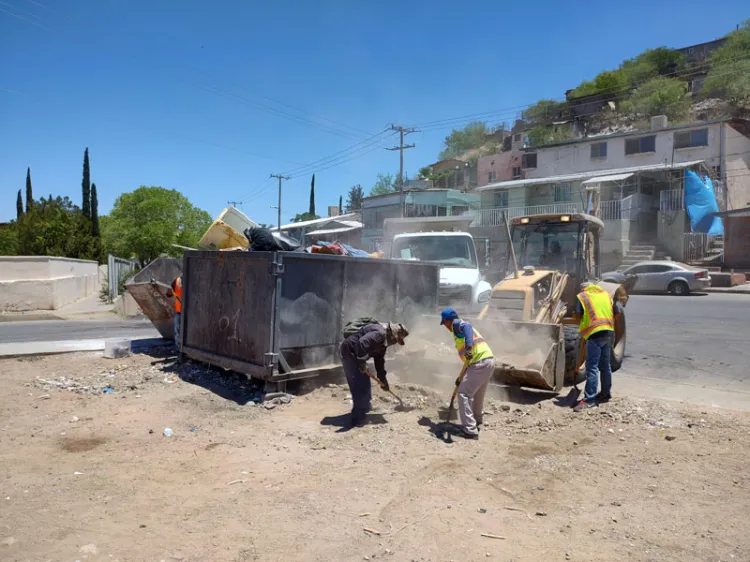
{"x":583,"y":405}
{"x":468,"y":435}
{"x":601,"y":399}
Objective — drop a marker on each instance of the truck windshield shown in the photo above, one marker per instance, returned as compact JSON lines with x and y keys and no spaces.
{"x":546,"y":245}
{"x":449,"y":251}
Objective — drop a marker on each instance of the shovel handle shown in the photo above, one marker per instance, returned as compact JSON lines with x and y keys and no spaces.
{"x":380,"y":384}
{"x":455,"y":390}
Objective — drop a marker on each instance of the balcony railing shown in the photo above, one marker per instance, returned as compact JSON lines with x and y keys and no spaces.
{"x":672,"y":200}
{"x":619,"y":209}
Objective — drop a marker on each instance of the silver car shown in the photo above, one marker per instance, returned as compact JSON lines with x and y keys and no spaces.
{"x":662,"y":276}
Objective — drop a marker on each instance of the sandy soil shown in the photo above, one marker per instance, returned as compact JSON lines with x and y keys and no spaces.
{"x":88,"y":475}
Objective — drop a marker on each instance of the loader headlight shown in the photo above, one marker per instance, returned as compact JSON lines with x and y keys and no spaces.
{"x":484,"y":297}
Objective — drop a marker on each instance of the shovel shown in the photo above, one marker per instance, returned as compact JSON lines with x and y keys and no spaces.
{"x":373,"y":377}
{"x":450,"y":413}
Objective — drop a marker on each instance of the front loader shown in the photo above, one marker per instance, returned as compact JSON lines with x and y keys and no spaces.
{"x":528,"y":320}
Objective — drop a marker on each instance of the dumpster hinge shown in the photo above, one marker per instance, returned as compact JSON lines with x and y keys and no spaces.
{"x":275,"y":268}
{"x":271,"y":359}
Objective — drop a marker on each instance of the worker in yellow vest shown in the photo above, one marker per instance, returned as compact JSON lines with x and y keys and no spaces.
{"x":473,"y":350}
{"x":596,"y":315}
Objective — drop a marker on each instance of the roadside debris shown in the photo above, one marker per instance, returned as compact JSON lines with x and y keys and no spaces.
{"x":168,"y":432}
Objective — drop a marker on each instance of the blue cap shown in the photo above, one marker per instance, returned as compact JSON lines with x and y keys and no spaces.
{"x":448,"y":314}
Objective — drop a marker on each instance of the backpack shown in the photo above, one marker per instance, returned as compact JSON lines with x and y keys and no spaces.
{"x":357,"y":324}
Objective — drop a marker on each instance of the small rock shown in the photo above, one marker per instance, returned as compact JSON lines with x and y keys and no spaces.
{"x":541,"y":513}
{"x":505,"y":408}
{"x":89,"y":549}
{"x":482,"y":510}
{"x":74,"y":419}
{"x":575,"y":442}
{"x":269,"y":405}
{"x":670,"y":437}
{"x":610,"y":430}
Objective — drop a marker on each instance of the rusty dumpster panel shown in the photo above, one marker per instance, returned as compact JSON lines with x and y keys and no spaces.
{"x":280,"y":315}
{"x":163,"y":270}
{"x":156,"y":305}
{"x":228,"y":309}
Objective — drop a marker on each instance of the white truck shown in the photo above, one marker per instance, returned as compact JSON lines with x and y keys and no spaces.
{"x":442,"y":240}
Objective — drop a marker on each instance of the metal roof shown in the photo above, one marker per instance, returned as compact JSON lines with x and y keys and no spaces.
{"x":614,"y":177}
{"x":335,"y":230}
{"x":588,"y":175}
{"x":302,"y":224}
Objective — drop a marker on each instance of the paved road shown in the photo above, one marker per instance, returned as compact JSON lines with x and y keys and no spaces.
{"x":699,"y":340}
{"x":67,"y":330}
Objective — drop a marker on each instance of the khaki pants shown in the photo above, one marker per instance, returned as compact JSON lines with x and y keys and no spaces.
{"x":471,"y":393}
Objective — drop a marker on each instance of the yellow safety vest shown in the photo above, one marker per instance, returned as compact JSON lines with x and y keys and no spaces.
{"x":480,"y":349}
{"x":598,"y":314}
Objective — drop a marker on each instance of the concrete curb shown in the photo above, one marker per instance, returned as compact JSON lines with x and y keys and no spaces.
{"x":726,"y":291}
{"x":22,"y":349}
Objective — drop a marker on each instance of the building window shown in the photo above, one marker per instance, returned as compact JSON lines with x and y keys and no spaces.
{"x":491,"y":176}
{"x":501,"y":199}
{"x":599,"y":150}
{"x":562,"y":192}
{"x":528,"y":161}
{"x":442,"y":211}
{"x":691,"y":139}
{"x":641,"y":145}
{"x":516,"y":172}
{"x":517,"y":137}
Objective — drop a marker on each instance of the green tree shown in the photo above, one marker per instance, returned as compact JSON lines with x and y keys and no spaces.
{"x":146,"y":222}
{"x":460,"y":140}
{"x":54,"y":227}
{"x":585,"y":88}
{"x":729,"y":77}
{"x":384,"y":184}
{"x":541,"y":135}
{"x":86,"y":186}
{"x":29,"y":193}
{"x":94,"y":212}
{"x":8,"y":240}
{"x":302,"y":217}
{"x":19,"y":206}
{"x":660,"y":96}
{"x":312,"y":196}
{"x":341,"y":206}
{"x":543,"y":111}
{"x":354,"y":199}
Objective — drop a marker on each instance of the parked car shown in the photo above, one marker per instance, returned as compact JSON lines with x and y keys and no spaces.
{"x":662,"y":276}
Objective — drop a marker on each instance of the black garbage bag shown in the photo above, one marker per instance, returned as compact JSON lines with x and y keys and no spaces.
{"x":263,"y":240}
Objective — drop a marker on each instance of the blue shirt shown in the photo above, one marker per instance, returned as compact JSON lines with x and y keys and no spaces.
{"x":463,"y":329}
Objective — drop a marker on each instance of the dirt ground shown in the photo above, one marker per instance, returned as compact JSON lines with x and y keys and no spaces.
{"x":87,"y":474}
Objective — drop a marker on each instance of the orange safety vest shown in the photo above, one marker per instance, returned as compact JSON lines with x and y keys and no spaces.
{"x":598,"y":314}
{"x":177,"y":289}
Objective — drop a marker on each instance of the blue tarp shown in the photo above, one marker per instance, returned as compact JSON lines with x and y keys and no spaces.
{"x":701,"y":205}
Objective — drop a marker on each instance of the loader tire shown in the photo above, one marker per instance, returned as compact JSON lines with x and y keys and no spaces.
{"x":618,"y":349}
{"x":572,"y":339}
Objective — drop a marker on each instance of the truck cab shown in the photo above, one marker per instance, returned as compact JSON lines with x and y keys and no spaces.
{"x":442,"y":240}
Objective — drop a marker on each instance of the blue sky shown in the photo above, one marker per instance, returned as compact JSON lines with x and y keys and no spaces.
{"x":211,"y":98}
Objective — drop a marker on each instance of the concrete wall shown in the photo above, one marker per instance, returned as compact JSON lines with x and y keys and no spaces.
{"x":737,"y":168}
{"x":737,"y":242}
{"x":614,"y":243}
{"x":575,"y":158}
{"x":671,"y":231}
{"x":45,"y":283}
{"x":501,"y":163}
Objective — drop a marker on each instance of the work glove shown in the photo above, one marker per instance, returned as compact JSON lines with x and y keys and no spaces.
{"x":384,"y":382}
{"x":469,"y":355}
{"x":458,"y":381}
{"x":363,"y":367}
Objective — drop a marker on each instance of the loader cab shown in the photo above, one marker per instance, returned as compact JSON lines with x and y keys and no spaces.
{"x":567,"y":243}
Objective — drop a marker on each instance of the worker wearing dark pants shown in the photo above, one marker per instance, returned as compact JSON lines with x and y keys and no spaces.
{"x":371,"y":341}
{"x":596,"y":314}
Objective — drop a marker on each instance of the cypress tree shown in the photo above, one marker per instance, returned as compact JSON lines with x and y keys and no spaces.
{"x":29,"y":194}
{"x":341,"y":205}
{"x":312,"y":196}
{"x":19,"y":206}
{"x":86,"y":187}
{"x":94,"y":212}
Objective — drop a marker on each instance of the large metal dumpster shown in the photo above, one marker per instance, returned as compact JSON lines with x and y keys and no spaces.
{"x":279,"y":315}
{"x":149,"y":289}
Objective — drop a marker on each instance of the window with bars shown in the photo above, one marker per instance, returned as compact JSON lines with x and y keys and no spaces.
{"x":562,"y":192}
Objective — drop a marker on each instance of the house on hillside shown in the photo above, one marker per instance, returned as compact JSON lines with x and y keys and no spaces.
{"x":453,"y":174}
{"x":638,"y":175}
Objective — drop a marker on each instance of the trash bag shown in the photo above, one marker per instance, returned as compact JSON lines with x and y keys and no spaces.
{"x":263,"y":240}
{"x":357,"y":324}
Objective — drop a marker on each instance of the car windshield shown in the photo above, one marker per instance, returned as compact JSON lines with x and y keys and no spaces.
{"x":547,"y":245}
{"x":449,"y":251}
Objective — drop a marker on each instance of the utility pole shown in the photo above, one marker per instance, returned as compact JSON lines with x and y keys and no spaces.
{"x":278,"y":208}
{"x":234,"y":203}
{"x":403,"y":131}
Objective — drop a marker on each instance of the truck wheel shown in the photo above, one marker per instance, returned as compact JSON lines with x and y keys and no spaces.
{"x":618,"y":349}
{"x":572,"y":342}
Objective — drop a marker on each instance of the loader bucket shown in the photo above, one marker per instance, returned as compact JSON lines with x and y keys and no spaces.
{"x":526,"y":354}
